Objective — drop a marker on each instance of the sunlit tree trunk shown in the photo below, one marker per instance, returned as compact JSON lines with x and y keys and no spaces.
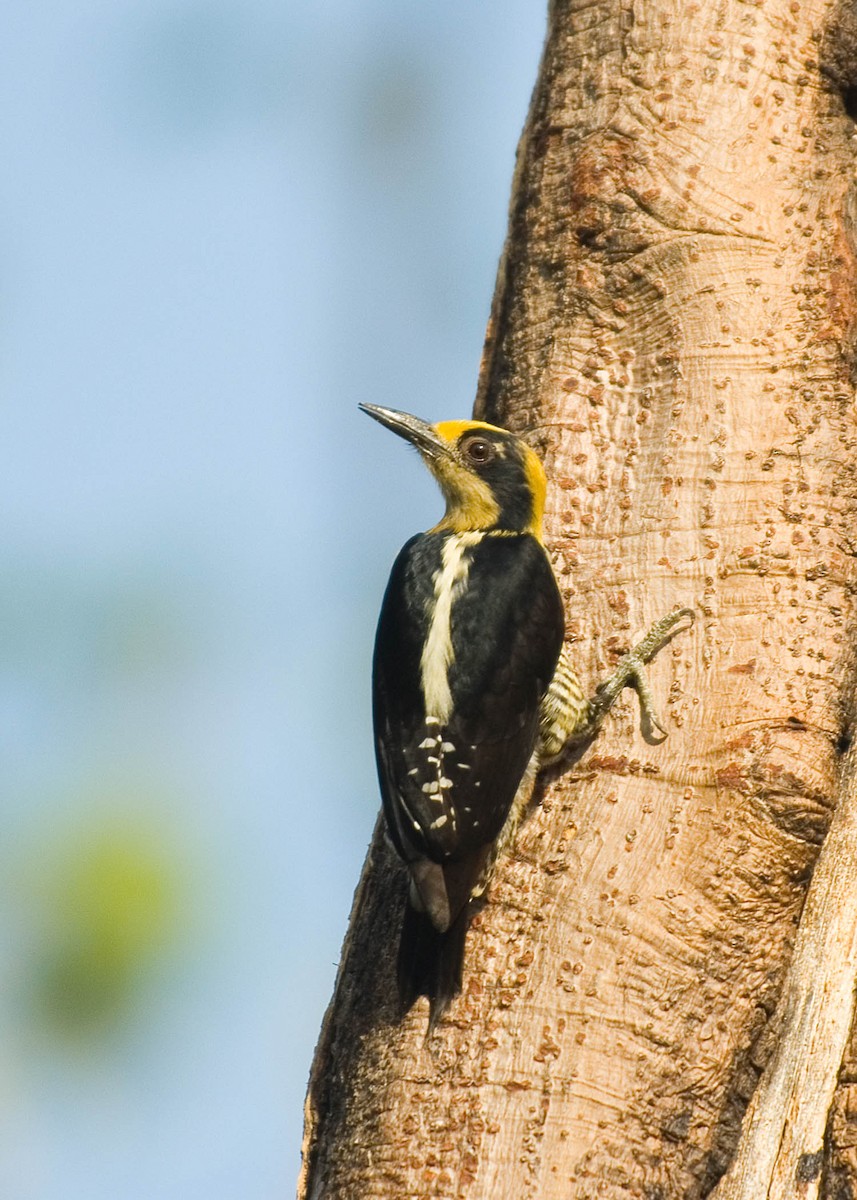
{"x":673,"y":328}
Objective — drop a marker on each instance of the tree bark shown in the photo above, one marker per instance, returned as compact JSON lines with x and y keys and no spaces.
{"x":673,"y":326}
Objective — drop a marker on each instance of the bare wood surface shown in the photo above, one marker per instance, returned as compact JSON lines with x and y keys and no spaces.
{"x":673,"y":324}
{"x":781,"y":1152}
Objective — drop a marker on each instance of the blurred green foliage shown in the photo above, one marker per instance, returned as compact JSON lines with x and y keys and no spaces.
{"x":108,"y":911}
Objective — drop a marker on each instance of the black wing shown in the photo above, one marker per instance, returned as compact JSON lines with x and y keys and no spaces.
{"x":448,"y":788}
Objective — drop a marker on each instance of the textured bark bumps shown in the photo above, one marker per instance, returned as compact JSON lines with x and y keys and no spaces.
{"x":673,"y":326}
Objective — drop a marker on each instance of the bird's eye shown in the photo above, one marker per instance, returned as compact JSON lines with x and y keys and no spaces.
{"x":478,"y":450}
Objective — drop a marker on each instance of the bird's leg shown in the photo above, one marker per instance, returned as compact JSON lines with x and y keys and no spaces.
{"x":568,"y":718}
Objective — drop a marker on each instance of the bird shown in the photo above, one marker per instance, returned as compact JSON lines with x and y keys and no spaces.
{"x":473,"y":690}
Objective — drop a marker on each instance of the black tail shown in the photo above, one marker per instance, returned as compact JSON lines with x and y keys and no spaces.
{"x":430,"y":962}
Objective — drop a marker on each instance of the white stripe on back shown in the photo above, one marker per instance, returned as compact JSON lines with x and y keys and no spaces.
{"x":437,"y":651}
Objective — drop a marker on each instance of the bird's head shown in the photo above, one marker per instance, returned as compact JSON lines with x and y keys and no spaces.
{"x":490,"y":479}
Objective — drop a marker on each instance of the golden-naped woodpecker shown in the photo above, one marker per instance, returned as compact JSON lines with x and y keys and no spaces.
{"x":472,"y":691}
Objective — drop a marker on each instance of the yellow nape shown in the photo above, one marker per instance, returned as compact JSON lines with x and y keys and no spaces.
{"x":538,"y":484}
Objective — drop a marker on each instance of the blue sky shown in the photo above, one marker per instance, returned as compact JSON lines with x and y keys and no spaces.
{"x":222,"y":226}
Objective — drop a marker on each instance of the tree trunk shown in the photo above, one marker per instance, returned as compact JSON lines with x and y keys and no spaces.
{"x":673,"y":326}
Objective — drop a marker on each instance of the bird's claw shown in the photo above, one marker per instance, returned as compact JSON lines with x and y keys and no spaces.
{"x":631,"y":672}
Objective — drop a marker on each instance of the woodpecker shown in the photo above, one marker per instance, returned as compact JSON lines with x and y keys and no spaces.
{"x":472,"y":690}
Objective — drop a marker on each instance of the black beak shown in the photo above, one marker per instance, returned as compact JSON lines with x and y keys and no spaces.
{"x":419,"y":433}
